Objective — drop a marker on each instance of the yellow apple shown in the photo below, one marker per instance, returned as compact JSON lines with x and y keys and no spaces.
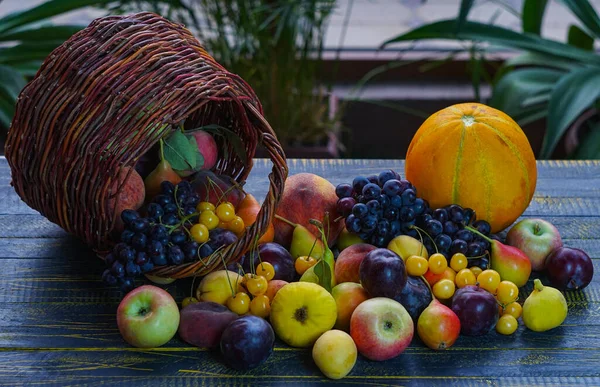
{"x":335,"y":354}
{"x":216,"y":286}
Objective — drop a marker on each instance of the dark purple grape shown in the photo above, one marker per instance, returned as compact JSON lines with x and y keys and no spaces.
{"x":127,"y":285}
{"x":371,"y":191}
{"x":412,"y":233}
{"x":141,"y":258}
{"x":206,"y":250}
{"x":175,"y":255}
{"x":482,"y":226}
{"x":146,"y":267}
{"x":396,"y":201}
{"x":455,"y":213}
{"x":219,"y":237}
{"x":383,"y":227}
{"x":167,"y":187}
{"x":465,"y":235}
{"x":345,"y":205}
{"x":469,"y":216}
{"x":384,"y":201}
{"x":180,"y":197}
{"x":405,"y":184}
{"x":373,"y":206}
{"x":353,"y":224}
{"x":395,"y":228}
{"x":358,"y":183}
{"x":128,"y":216}
{"x":170,"y":219}
{"x":343,"y":190}
{"x":450,"y":228}
{"x":177,"y":237}
{"x":163,"y":200}
{"x":484,"y":263}
{"x":192,"y":200}
{"x":155,"y":248}
{"x":424,"y":219}
{"x":184,"y":186}
{"x":419,"y":206}
{"x":408,"y":197}
{"x":190,"y":250}
{"x":569,"y":268}
{"x":391,"y":213}
{"x":109,"y":259}
{"x":155,"y":211}
{"x":373,"y":179}
{"x":385,"y":176}
{"x":140,"y":225}
{"x":360,"y":210}
{"x":126,"y":236}
{"x":441,"y":215}
{"x":407,"y":214}
{"x":127,"y":254}
{"x":391,"y":187}
{"x":378,"y":240}
{"x":132,"y":269}
{"x":160,"y":260}
{"x":170,"y":208}
{"x":369,"y":223}
{"x":458,"y":246}
{"x":117,"y":269}
{"x":443,"y":241}
{"x":108,"y":278}
{"x":434,"y":228}
{"x":139,"y":241}
{"x":474,"y":250}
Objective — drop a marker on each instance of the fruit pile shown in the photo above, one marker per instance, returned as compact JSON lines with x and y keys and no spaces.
{"x":402,"y":267}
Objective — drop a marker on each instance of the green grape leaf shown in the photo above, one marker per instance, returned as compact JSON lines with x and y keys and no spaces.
{"x":323,"y":272}
{"x":199,"y":157}
{"x":179,"y":152}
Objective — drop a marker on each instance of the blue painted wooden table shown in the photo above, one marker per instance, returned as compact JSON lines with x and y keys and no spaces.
{"x":58,"y":323}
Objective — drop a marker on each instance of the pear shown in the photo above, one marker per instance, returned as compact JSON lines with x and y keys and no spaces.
{"x":511,"y":263}
{"x":162,"y":172}
{"x":310,"y":276}
{"x":545,"y":308}
{"x":438,"y":326}
{"x":304,"y":243}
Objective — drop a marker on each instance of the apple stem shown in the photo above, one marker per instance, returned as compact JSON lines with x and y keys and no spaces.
{"x":286,"y":221}
{"x":478,"y":233}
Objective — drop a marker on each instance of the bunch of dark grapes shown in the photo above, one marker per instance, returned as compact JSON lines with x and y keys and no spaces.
{"x":446,"y":228}
{"x":158,"y":239}
{"x":380,"y":207}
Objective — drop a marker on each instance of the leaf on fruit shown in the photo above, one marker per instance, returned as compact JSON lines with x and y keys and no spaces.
{"x":323,"y":272}
{"x":178,"y":151}
{"x":199,"y":157}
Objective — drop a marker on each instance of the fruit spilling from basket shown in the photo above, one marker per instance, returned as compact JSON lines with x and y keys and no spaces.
{"x":358,"y":268}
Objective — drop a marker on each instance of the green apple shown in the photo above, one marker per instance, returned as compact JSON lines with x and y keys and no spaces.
{"x":148,"y":317}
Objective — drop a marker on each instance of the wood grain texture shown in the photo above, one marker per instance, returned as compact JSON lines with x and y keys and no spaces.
{"x":58,"y":324}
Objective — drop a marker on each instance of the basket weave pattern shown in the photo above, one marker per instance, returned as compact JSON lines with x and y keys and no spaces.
{"x":104,"y":98}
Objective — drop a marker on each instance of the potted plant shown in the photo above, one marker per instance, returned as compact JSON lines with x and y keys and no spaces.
{"x":552,"y":80}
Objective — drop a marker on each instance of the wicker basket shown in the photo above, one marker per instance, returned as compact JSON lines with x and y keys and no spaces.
{"x":104,"y":98}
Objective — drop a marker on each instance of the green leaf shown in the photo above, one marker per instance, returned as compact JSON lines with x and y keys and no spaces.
{"x":7,"y":111}
{"x":179,"y":152}
{"x":589,"y":145}
{"x":579,"y":38}
{"x":572,"y":95}
{"x":27,"y":52}
{"x":199,"y":157}
{"x":463,"y":13}
{"x":519,"y":85}
{"x":230,"y":136}
{"x":11,"y":82}
{"x":543,"y":60}
{"x":497,"y":35}
{"x":46,"y":33}
{"x":323,"y":272}
{"x":586,"y":14}
{"x":532,"y":15}
{"x":44,"y":11}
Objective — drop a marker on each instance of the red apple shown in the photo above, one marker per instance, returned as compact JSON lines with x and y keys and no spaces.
{"x":348,"y":262}
{"x":537,"y":238}
{"x":347,"y":296}
{"x":203,"y":323}
{"x":381,"y":328}
{"x":148,"y":317}
{"x":207,"y":147}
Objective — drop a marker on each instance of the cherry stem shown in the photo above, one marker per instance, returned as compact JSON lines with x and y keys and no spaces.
{"x":478,"y":233}
{"x":429,"y":287}
{"x":227,"y":274}
{"x":286,"y":221}
{"x":419,"y":229}
{"x":313,"y":246}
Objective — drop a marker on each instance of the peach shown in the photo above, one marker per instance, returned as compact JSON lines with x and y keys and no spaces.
{"x":131,"y":196}
{"x":348,"y":262}
{"x":307,"y":196}
{"x":347,"y":295}
{"x":273,"y":287}
{"x":207,"y":147}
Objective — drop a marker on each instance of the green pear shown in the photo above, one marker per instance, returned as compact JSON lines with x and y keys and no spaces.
{"x":302,"y":244}
{"x":310,"y":276}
